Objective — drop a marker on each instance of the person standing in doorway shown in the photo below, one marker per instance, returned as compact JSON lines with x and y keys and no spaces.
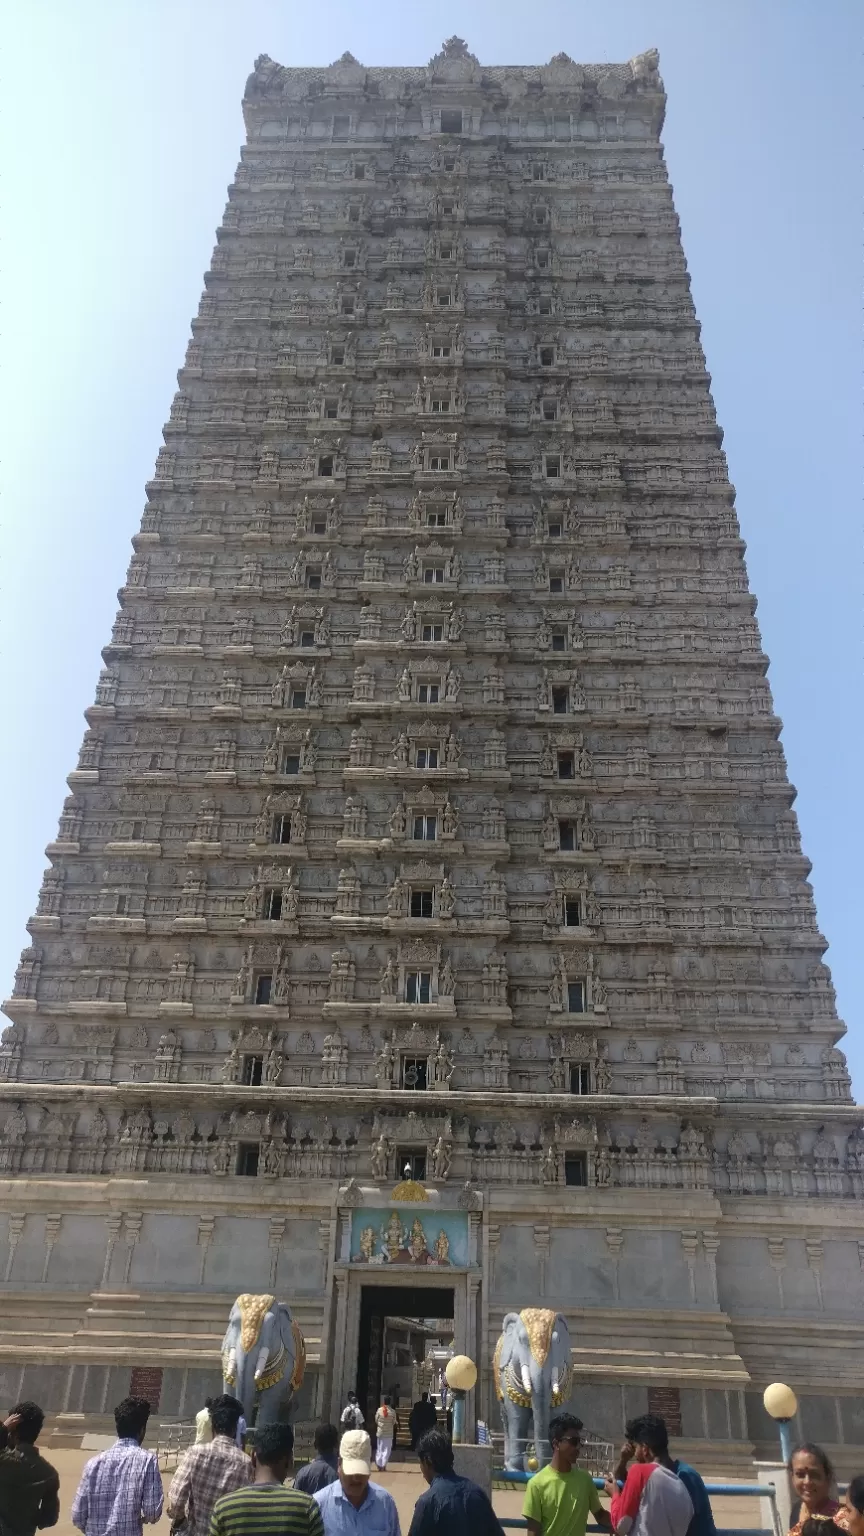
{"x":29,"y":1485}
{"x":559,"y":1499}
{"x":421,"y":1419}
{"x":660,"y":1497}
{"x":324,"y":1470}
{"x":355,"y":1506}
{"x":209,"y":1471}
{"x":352,"y":1414}
{"x":121,"y":1489}
{"x":385,"y":1430}
{"x":203,"y":1426}
{"x":265,"y":1507}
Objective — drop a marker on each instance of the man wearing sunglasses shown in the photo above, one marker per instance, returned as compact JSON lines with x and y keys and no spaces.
{"x":560,"y":1498}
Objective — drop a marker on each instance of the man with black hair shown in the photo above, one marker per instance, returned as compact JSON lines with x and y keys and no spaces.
{"x":324,"y":1470}
{"x":559,"y":1499}
{"x":421,"y":1419}
{"x":121,"y":1488}
{"x":264,"y":1507}
{"x":452,"y":1505}
{"x":209,"y":1471}
{"x":29,"y":1485}
{"x":660,"y":1497}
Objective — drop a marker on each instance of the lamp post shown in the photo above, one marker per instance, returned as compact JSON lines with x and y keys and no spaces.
{"x":782,"y":1404}
{"x":461,"y":1373}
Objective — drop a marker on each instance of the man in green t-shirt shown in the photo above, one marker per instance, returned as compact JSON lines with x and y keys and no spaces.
{"x":558,"y":1500}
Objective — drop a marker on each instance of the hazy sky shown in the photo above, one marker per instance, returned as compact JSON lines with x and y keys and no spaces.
{"x":121,"y":130}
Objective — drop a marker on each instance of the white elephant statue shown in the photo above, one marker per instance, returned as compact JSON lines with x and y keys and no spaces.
{"x":533,"y":1374}
{"x":263,"y":1358}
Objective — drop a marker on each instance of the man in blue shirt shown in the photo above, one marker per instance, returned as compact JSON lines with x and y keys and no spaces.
{"x":355,"y":1506}
{"x":452,"y":1504}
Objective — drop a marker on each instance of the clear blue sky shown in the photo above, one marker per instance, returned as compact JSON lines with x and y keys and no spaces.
{"x":121,"y":129}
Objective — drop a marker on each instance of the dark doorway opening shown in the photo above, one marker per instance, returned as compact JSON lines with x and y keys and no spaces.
{"x":384,"y":1310}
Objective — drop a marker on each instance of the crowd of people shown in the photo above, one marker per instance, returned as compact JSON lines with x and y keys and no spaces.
{"x":220,"y":1490}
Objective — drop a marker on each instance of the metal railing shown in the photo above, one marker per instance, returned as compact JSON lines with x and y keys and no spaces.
{"x":725,"y":1490}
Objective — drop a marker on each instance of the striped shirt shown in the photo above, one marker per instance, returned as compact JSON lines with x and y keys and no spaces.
{"x":266,"y":1509}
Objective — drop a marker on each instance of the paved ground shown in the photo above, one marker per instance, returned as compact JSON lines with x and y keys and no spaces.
{"x":402,"y":1478}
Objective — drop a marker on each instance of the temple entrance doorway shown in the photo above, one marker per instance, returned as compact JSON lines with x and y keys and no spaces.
{"x":405,"y":1334}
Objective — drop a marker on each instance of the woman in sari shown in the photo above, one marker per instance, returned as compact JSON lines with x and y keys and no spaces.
{"x":812,"y":1481}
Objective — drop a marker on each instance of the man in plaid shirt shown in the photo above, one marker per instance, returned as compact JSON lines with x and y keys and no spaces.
{"x":121,"y":1488}
{"x":209,"y":1471}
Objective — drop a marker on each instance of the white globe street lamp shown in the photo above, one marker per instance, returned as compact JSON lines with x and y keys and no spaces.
{"x":782,"y":1404}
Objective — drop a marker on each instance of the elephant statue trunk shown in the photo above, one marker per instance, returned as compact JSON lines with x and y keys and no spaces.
{"x":533,"y":1376}
{"x":263,"y":1358}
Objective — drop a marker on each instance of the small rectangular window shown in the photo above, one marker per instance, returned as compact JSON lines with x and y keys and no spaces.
{"x":560,"y":701}
{"x":544,"y":307}
{"x":252,"y":1071}
{"x":580,"y":1077}
{"x":440,"y":405}
{"x":360,"y":171}
{"x":263,"y":989}
{"x":412,"y":1073}
{"x":451,"y":120}
{"x":566,"y":836}
{"x":331,"y":411}
{"x":337,"y":356}
{"x":439,"y":462}
{"x":432,"y":632}
{"x":427,"y":757}
{"x":341,"y":125}
{"x":559,"y":639}
{"x":541,"y":216}
{"x":553,"y":466}
{"x":576,"y":1169}
{"x":354,"y":214}
{"x":319,"y":528}
{"x":298,"y":698}
{"x":539,"y":171}
{"x":433,"y":575}
{"x":547,"y":357}
{"x":347,"y":306}
{"x":575,"y":997}
{"x":425,"y":829}
{"x":440,"y":350}
{"x":411,"y":1164}
{"x":272,"y":906}
{"x":290,"y":763}
{"x":137,"y":833}
{"x":349,"y":257}
{"x":446,"y":253}
{"x":436,"y":519}
{"x":280,"y":831}
{"x":325,"y":464}
{"x":418,"y":987}
{"x":555,"y":530}
{"x":542,"y":258}
{"x":307,"y":638}
{"x":566,"y":765}
{"x":421,"y":903}
{"x":121,"y":905}
{"x":313,"y":577}
{"x":443,"y":298}
{"x":248,"y":1155}
{"x":550,"y":410}
{"x":428,"y":693}
{"x":448,"y":209}
{"x":572,"y":912}
{"x":556,"y":581}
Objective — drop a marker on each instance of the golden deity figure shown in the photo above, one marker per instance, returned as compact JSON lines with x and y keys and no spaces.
{"x":418,"y":1246}
{"x":393,"y":1236}
{"x":367,"y":1244}
{"x":442,"y":1247}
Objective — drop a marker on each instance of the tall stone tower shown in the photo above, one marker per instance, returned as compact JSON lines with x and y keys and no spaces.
{"x":431,"y":827}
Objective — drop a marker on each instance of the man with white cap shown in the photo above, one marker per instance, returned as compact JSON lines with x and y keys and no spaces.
{"x":355,"y":1506}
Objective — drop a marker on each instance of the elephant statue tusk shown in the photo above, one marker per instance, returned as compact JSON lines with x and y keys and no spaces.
{"x":554,"y":1381}
{"x":526,"y":1379}
{"x":261,"y":1362}
{"x":232,"y":1363}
